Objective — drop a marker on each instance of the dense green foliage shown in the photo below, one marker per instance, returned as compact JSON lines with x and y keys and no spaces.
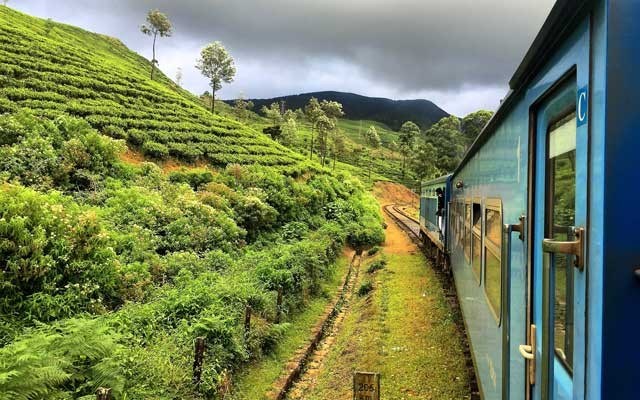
{"x":111,"y":269}
{"x":143,"y":261}
{"x":56,"y":69}
{"x":442,"y":146}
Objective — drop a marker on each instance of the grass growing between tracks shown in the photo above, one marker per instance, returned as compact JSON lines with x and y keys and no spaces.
{"x":403,"y":329}
{"x":257,"y":379}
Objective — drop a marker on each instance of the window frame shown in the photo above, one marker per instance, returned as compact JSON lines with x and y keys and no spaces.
{"x":494,"y":204}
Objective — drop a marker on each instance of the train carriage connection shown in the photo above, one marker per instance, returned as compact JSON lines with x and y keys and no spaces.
{"x":540,"y":220}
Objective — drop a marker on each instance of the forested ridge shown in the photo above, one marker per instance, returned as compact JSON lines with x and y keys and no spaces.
{"x":111,"y":268}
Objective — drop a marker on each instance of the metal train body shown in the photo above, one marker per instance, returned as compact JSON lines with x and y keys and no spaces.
{"x":540,"y":233}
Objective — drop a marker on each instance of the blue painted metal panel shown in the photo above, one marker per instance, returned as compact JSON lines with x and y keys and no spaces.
{"x":621,"y":302}
{"x":499,"y":167}
{"x":497,"y":170}
{"x":596,"y":200}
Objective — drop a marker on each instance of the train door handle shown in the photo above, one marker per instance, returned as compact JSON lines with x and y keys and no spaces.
{"x":526,"y":351}
{"x":575,"y":247}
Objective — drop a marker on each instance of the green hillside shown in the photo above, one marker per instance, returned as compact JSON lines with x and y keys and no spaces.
{"x":53,"y":68}
{"x":112,"y":264}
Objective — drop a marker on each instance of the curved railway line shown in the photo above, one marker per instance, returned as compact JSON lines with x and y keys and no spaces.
{"x":406,"y":222}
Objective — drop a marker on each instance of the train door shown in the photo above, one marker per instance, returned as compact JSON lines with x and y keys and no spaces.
{"x":556,"y":348}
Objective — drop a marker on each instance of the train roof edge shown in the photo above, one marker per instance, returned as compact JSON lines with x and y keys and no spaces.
{"x":441,"y":179}
{"x":560,"y":22}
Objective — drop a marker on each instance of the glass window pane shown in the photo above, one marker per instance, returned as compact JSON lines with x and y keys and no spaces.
{"x":492,"y":259}
{"x":477,"y":261}
{"x":494,"y":227}
{"x":560,"y":223}
{"x":493,"y":280}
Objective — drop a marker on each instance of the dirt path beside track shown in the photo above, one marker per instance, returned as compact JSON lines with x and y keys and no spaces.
{"x":404,"y":328}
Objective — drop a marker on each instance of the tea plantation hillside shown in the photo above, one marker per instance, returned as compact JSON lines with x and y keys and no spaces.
{"x":53,"y":68}
{"x":110,"y":269}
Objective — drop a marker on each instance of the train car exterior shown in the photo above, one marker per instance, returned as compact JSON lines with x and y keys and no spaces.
{"x":434,"y":221}
{"x":541,"y":231}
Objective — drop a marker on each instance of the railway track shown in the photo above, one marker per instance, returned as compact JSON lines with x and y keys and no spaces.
{"x":406,"y":222}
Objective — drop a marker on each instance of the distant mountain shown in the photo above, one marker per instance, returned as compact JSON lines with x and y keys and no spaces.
{"x":393,"y":113}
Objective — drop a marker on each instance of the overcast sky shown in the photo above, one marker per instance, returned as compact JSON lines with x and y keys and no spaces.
{"x":458,"y":53}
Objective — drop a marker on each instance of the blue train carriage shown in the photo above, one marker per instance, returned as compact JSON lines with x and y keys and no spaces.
{"x":543,"y":236}
{"x":434,"y":214}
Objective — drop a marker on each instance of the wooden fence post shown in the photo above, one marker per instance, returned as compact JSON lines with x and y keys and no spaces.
{"x":198,"y":359}
{"x":247,"y":321}
{"x":103,"y":393}
{"x":279,"y":305}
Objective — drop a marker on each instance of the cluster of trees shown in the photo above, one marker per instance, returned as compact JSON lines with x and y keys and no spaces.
{"x":322,"y":116}
{"x":215,"y":62}
{"x":439,"y":149}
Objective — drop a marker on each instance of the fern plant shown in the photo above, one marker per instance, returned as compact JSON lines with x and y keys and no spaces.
{"x":68,"y":360}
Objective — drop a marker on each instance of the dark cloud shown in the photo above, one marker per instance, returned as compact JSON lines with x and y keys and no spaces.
{"x":447,"y":48}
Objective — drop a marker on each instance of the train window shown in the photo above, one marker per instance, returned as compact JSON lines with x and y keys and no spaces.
{"x":467,"y":231}
{"x":476,"y":246}
{"x":560,"y":222}
{"x":493,"y":256}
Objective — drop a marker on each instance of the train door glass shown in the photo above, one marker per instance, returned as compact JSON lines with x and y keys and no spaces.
{"x":558,"y":251}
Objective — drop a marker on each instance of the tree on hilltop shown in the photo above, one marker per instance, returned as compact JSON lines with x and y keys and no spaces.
{"x":158,"y":24}
{"x":216,"y":64}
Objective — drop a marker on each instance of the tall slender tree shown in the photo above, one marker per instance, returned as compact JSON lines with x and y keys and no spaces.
{"x":216,"y":64}
{"x":273,"y":112}
{"x":241,"y":108}
{"x":313,"y":111}
{"x":408,"y":133}
{"x":158,"y":24}
{"x":325,"y":125}
{"x":333,"y":111}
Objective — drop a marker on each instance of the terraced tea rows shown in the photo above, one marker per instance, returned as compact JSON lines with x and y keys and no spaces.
{"x":53,"y":68}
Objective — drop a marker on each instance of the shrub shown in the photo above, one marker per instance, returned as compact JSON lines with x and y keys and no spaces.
{"x":376,"y":265}
{"x":196,"y":178}
{"x":373,"y":251}
{"x":155,"y":150}
{"x":115,"y":132}
{"x":137,"y":136}
{"x":365,"y":288}
{"x":57,"y":258}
